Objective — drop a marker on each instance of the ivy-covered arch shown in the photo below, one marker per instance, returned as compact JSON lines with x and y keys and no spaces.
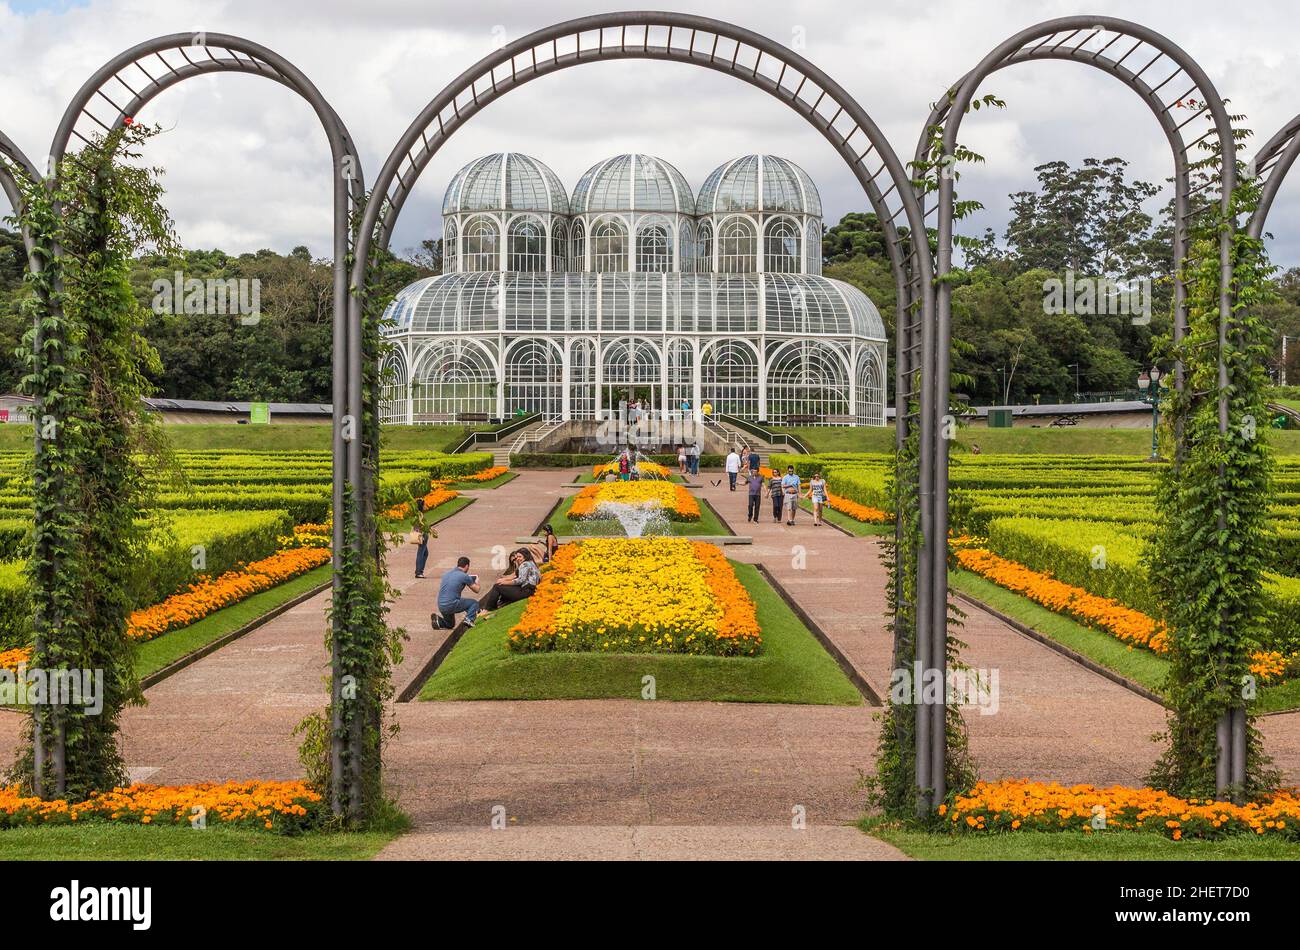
{"x":108,"y":101}
{"x":1166,"y":78}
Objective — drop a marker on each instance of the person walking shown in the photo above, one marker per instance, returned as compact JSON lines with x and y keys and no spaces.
{"x":681,"y":458}
{"x":755,"y":496}
{"x":818,"y":494}
{"x":421,"y":531}
{"x":452,"y":599}
{"x":776,"y":491}
{"x":733,"y":468}
{"x":790,"y":484}
{"x":753,"y":461}
{"x":694,"y":456}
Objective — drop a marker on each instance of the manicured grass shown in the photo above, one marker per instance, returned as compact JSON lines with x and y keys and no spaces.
{"x":1141,"y":666}
{"x":709,"y":524}
{"x":493,"y":483}
{"x":863,"y":529}
{"x":154,"y":654}
{"x":278,"y":438}
{"x":1072,"y":846}
{"x":123,"y":842}
{"x":793,"y":667}
{"x":1074,"y":440}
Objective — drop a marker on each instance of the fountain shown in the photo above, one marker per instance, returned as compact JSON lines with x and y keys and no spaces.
{"x":637,"y":521}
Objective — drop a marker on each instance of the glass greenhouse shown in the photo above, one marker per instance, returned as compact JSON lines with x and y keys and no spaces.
{"x":633,"y":288}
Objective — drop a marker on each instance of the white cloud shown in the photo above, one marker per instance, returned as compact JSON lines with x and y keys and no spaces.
{"x":247,"y":165}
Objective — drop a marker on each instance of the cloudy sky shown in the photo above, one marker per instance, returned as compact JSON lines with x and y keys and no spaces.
{"x":247,"y":164}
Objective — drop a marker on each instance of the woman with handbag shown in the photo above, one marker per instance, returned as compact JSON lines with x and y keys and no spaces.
{"x":421,"y":531}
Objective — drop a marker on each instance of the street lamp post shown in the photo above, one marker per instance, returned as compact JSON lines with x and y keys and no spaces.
{"x":1149,"y":392}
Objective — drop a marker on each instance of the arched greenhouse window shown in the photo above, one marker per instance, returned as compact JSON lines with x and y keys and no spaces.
{"x":737,"y":247}
{"x":450,"y":248}
{"x":654,"y":249}
{"x":526,"y":247}
{"x":813,"y":249}
{"x":559,"y":247}
{"x":686,"y":248}
{"x":578,"y":247}
{"x":781,"y":247}
{"x":481,"y":245}
{"x":609,"y":247}
{"x":704,"y":250}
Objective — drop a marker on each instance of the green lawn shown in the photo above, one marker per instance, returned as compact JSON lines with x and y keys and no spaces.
{"x":1133,"y":663}
{"x":278,"y":438}
{"x":709,"y":524}
{"x":793,"y":667}
{"x":123,"y":842}
{"x":1076,"y":846}
{"x":1074,"y":440}
{"x":170,"y":647}
{"x":863,"y":529}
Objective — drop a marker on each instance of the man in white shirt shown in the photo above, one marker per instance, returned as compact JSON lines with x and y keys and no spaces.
{"x":733,"y":468}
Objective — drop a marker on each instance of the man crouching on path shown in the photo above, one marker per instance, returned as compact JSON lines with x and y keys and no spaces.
{"x":451,"y":599}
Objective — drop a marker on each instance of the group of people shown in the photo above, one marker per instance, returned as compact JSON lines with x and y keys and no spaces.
{"x":688,"y":458}
{"x":519,"y":581}
{"x":783,"y":490}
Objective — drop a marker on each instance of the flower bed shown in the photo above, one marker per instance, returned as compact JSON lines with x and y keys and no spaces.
{"x":438,"y":496}
{"x":645,"y":595}
{"x":282,"y":807}
{"x":856,"y":511}
{"x":209,"y":596}
{"x":1021,"y":805}
{"x":644,"y":468}
{"x":678,"y":503}
{"x":487,"y":475}
{"x":1103,"y":613}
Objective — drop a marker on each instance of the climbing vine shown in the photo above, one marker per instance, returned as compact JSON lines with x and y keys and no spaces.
{"x":343,"y":747}
{"x":1210,"y":548}
{"x":86,"y":364}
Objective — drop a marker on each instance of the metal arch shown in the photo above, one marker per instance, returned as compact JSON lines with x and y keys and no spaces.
{"x":701,"y":41}
{"x":1047,"y":40}
{"x":115,"y":93}
{"x":1272,"y":163}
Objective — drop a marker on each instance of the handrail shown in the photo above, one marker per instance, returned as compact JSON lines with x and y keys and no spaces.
{"x":494,"y":435}
{"x":772,"y":438}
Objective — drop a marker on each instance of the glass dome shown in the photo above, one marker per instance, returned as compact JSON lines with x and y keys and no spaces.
{"x":633,"y":183}
{"x":505,"y":181}
{"x":759,"y":183}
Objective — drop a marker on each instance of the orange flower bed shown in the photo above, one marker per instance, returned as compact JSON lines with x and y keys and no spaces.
{"x":857,"y":511}
{"x":283,"y":807}
{"x":496,"y":471}
{"x":438,"y":496}
{"x":208,"y":596}
{"x":678,"y":503}
{"x":1022,"y":805}
{"x":1124,"y":623}
{"x":639,"y":595}
{"x":12,"y":659}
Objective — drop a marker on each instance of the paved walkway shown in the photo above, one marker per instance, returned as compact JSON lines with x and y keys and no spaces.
{"x":1056,"y":720}
{"x":624,"y":778}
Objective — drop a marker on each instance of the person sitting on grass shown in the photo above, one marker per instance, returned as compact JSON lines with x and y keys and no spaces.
{"x":518,"y":584}
{"x":451,"y":599}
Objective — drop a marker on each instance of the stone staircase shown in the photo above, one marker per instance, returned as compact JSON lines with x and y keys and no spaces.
{"x":737,"y":437}
{"x":502,"y":448}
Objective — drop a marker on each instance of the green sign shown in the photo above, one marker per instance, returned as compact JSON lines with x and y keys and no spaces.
{"x":259,"y":414}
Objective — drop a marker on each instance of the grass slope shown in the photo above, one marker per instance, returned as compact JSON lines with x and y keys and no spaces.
{"x":170,"y":647}
{"x":1068,"y":846}
{"x":122,"y":842}
{"x":792,"y":669}
{"x":1075,"y":440}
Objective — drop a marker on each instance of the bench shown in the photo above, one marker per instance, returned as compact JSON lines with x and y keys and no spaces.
{"x":472,"y":417}
{"x":795,"y":420}
{"x":840,"y":420}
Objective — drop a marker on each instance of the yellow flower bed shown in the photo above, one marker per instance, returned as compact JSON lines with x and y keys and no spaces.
{"x":283,"y":807}
{"x":1022,"y":805}
{"x":642,"y":595}
{"x":678,"y":503}
{"x":652,"y":469}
